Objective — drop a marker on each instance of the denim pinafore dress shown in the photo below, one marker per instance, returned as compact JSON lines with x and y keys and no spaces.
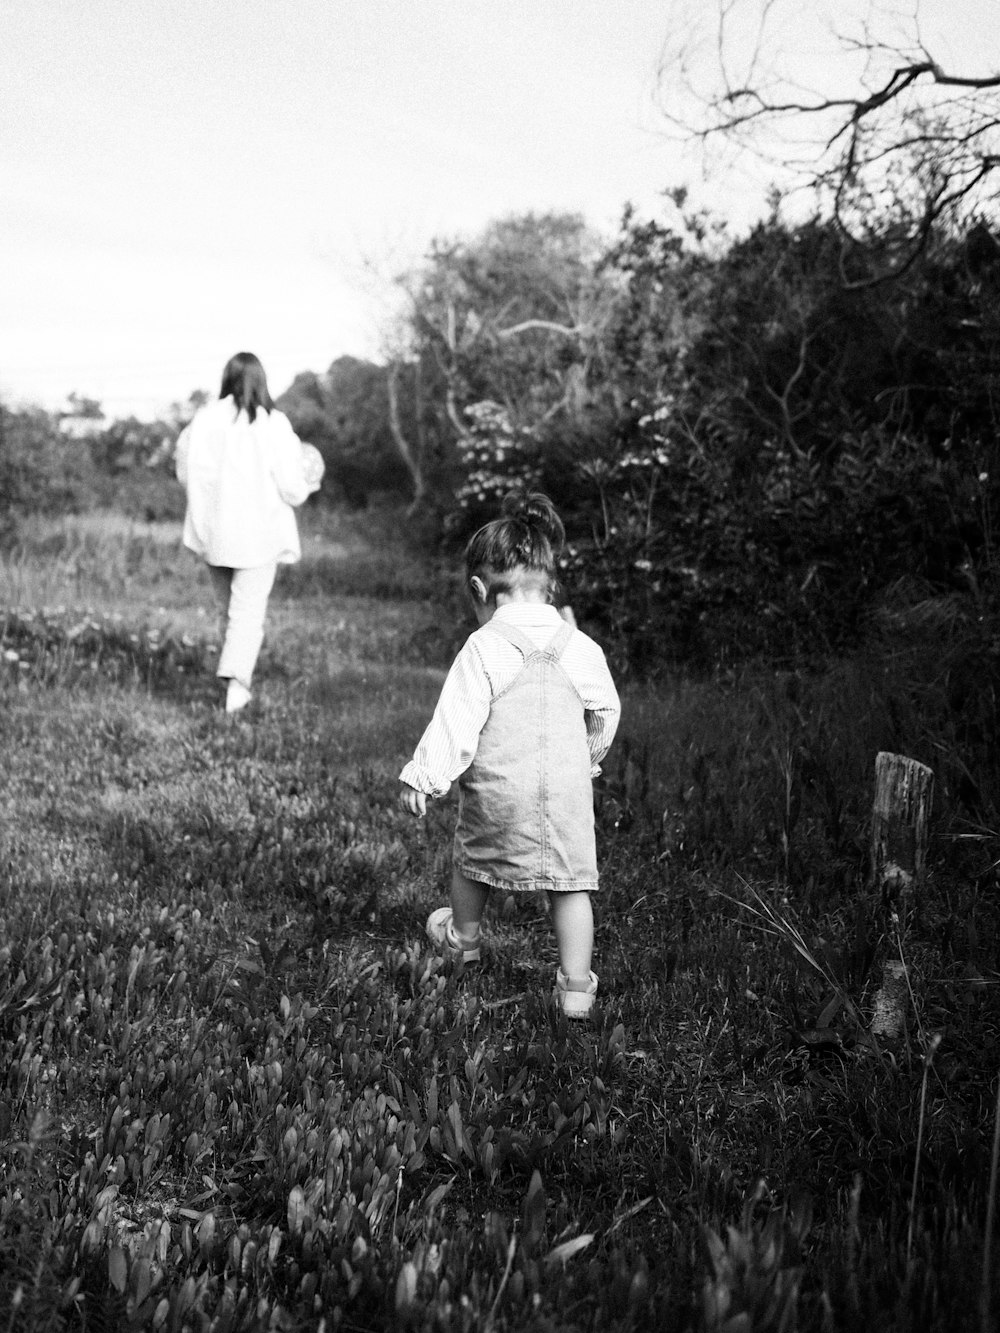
{"x":526,"y":802}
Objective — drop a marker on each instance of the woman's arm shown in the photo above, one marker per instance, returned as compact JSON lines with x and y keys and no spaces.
{"x":181,"y":455}
{"x":288,"y":466}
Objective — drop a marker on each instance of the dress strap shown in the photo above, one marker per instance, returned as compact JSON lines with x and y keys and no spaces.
{"x":513,"y":635}
{"x":556,"y":646}
{"x":553,"y":649}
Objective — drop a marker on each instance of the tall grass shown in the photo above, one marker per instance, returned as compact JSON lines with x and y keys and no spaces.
{"x":90,"y":560}
{"x":239,"y":1091}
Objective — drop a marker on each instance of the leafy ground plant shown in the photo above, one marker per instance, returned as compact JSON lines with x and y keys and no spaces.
{"x":239,"y":1091}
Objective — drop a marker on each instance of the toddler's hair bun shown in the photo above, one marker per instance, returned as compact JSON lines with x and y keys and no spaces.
{"x":537,"y":512}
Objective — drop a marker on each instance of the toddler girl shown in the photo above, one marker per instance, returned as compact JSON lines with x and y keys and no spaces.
{"x":526,"y":714}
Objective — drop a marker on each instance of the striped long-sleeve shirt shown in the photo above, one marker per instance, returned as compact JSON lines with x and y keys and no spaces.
{"x":488,"y":663}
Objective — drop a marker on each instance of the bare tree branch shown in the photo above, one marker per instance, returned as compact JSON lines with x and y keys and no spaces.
{"x":574,"y":331}
{"x":407,"y":454}
{"x":902,"y":131}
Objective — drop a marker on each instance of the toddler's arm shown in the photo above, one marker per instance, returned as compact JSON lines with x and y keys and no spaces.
{"x":449,"y":744}
{"x":603,"y":709}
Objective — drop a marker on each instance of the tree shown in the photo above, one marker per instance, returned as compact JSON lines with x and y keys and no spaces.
{"x":88,"y":409}
{"x":345,"y":414}
{"x":514,"y":316}
{"x":179,"y":414}
{"x":858,"y":107}
{"x":504,"y":347}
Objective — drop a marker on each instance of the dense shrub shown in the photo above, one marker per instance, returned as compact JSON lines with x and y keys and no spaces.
{"x":760,"y":451}
{"x":345,"y":414}
{"x":134,"y":463}
{"x":40,"y":471}
{"x":127,"y":467}
{"x":687,"y":564}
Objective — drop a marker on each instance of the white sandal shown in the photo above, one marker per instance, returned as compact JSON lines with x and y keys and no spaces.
{"x":441,"y":932}
{"x":575,"y":995}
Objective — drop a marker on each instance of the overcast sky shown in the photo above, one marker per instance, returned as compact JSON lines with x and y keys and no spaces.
{"x":181,"y":179}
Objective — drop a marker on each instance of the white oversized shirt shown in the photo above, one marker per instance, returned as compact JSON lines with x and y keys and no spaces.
{"x":488,"y":663}
{"x":243,"y":478}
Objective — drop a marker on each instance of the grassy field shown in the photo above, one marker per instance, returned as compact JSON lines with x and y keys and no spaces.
{"x":240,"y":1092}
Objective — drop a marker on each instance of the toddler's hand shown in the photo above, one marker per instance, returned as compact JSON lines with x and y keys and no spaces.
{"x":412,"y":801}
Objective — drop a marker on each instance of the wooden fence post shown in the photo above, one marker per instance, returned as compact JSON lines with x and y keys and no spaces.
{"x":903,"y":792}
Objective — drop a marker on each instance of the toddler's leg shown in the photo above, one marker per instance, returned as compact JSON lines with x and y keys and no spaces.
{"x":468,"y":902}
{"x":573,"y":919}
{"x":576,"y":985}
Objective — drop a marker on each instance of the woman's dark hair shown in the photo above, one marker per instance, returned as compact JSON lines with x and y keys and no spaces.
{"x":528,"y":535}
{"x":244,"y":381}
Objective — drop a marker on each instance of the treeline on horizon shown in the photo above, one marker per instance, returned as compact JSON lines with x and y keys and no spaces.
{"x":764,"y":446}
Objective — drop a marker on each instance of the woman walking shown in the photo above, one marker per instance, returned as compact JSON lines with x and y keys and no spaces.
{"x":245,"y":470}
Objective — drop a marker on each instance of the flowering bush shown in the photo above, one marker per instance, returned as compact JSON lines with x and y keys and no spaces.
{"x":495,"y":456}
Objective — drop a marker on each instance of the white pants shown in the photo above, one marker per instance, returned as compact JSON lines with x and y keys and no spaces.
{"x":242,"y":595}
